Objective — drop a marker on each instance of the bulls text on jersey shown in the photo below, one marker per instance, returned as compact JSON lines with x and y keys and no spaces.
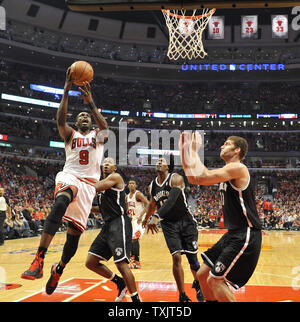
{"x":83,"y":142}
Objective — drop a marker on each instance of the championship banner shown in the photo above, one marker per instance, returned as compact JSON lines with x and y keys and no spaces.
{"x":280,"y":26}
{"x":2,"y":18}
{"x":216,"y":27}
{"x":249,"y":28}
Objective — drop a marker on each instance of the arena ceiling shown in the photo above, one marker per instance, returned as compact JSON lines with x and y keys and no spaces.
{"x":232,"y":16}
{"x":163,"y":72}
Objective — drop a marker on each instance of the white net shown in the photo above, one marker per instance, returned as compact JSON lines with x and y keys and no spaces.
{"x":185,"y":33}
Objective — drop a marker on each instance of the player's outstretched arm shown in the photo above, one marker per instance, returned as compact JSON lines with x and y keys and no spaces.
{"x":151,"y":207}
{"x":65,"y":131}
{"x":109,"y":182}
{"x":196,"y":172}
{"x":88,"y":99}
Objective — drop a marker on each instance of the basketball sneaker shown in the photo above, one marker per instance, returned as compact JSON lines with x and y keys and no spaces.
{"x":122,"y":290}
{"x":35,"y":270}
{"x":199,"y":295}
{"x":53,"y":280}
{"x":137,"y":265}
{"x":184,"y":298}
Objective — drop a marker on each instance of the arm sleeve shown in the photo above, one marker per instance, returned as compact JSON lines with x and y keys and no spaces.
{"x":170,"y":203}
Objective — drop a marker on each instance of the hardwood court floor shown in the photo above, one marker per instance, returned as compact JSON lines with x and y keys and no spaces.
{"x":277,"y":276}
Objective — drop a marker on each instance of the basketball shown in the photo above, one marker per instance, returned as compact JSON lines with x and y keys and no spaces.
{"x":82,"y":72}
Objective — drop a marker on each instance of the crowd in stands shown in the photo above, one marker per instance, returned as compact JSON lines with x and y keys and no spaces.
{"x":262,"y":141}
{"x":201,"y":97}
{"x":31,"y":198}
{"x":134,"y":51}
{"x":55,"y":157}
{"x":28,"y":172}
{"x":284,"y":211}
{"x":279,"y":211}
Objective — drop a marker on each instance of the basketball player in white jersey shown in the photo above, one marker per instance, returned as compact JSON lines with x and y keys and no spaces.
{"x":74,"y":192}
{"x":136,"y":204}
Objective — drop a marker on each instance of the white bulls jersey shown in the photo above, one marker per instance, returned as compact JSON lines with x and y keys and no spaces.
{"x":134,"y":207}
{"x":84,"y":155}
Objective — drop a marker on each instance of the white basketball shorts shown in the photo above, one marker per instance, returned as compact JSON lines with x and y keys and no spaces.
{"x":79,"y":209}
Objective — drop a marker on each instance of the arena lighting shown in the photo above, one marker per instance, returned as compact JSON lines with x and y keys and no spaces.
{"x":288,"y":116}
{"x":56,"y":144}
{"x":27,"y":100}
{"x":235,"y":116}
{"x":124,"y":113}
{"x":5,"y":144}
{"x":33,"y":101}
{"x":109,"y":111}
{"x":195,"y":116}
{"x":157,"y":152}
{"x":279,"y":116}
{"x":52,"y":90}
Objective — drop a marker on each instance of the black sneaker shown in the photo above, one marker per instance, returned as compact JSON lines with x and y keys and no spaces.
{"x":53,"y":280}
{"x":122,"y":290}
{"x":184,"y":298}
{"x":135,"y":298}
{"x":199,"y":295}
{"x":35,"y":270}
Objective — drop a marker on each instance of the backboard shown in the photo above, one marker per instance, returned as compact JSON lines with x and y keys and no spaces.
{"x":131,"y":5}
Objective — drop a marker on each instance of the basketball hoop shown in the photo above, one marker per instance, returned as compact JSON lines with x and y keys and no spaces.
{"x":185,"y":32}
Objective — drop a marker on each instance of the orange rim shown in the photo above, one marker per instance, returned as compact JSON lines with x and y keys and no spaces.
{"x":211,"y":12}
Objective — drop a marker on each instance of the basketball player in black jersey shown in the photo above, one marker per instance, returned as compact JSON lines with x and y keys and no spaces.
{"x":178,"y":225}
{"x":115,"y":236}
{"x":234,"y":257}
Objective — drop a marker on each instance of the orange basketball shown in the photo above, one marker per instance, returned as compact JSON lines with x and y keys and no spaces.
{"x":82,"y":72}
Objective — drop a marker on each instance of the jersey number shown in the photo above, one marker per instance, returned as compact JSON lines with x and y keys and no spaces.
{"x":131,"y":212}
{"x":84,"y":157}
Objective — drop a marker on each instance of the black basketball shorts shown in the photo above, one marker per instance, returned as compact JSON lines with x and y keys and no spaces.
{"x":235,"y":256}
{"x":114,"y":240}
{"x":181,"y":236}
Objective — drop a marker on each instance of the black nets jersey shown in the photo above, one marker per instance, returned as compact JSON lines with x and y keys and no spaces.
{"x":239,"y":206}
{"x":112,"y":203}
{"x":160,"y":195}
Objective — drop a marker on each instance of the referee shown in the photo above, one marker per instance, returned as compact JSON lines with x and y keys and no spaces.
{"x":4,"y":207}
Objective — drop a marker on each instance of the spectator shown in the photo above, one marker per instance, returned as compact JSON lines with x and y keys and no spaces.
{"x":22,"y":223}
{"x":32,"y":223}
{"x":17,"y":224}
{"x":4,"y":208}
{"x":9,"y":227}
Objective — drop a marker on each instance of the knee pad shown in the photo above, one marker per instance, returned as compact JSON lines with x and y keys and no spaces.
{"x":193,"y":261}
{"x":70,"y":248}
{"x":53,"y":220}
